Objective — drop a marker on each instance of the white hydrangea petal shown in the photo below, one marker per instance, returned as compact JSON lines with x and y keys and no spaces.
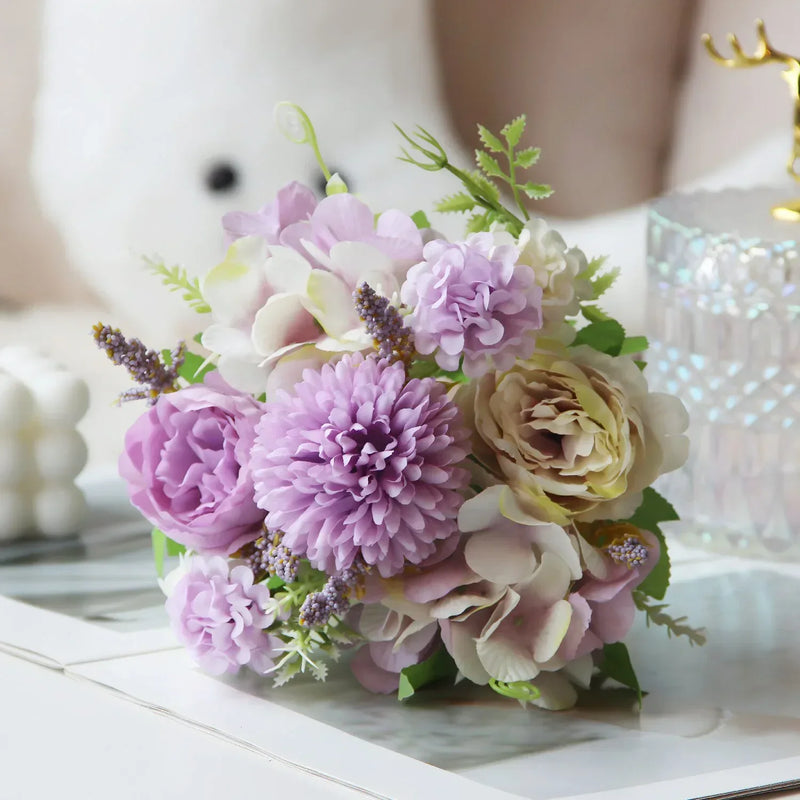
{"x":479,"y":512}
{"x":553,"y":631}
{"x":273,"y":322}
{"x":506,"y":659}
{"x":231,"y":286}
{"x":551,"y":580}
{"x":331,"y":303}
{"x":500,"y":557}
{"x":356,"y":262}
{"x":462,"y":649}
{"x":557,"y":693}
{"x":554,"y":539}
{"x":286,"y":270}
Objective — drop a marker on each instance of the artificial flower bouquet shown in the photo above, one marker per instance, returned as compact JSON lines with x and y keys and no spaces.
{"x":404,"y":447}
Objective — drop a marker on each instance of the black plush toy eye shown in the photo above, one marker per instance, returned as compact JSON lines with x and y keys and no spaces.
{"x":320,"y":181}
{"x":222,"y":176}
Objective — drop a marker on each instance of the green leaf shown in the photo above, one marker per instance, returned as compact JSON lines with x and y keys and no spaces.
{"x":194,"y":368}
{"x":163,"y":546}
{"x":606,"y":336}
{"x":640,"y":364}
{"x":594,"y":313}
{"x":490,"y":141}
{"x":536,"y":191}
{"x":527,"y":157}
{"x":634,"y":344}
{"x":176,"y":279}
{"x":488,"y":164}
{"x":656,"y":615}
{"x":512,"y":132}
{"x":455,"y":202}
{"x":159,"y":541}
{"x":652,"y":511}
{"x":486,"y":187}
{"x":274,"y":583}
{"x":616,"y":664}
{"x":420,"y":219}
{"x":602,"y":283}
{"x":592,"y":268}
{"x":423,"y":369}
{"x":478,"y":223}
{"x":440,"y":666}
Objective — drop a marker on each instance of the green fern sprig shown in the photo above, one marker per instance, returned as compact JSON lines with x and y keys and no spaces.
{"x":176,"y":279}
{"x":524,"y":159}
{"x":675,"y":627}
{"x":482,"y":195}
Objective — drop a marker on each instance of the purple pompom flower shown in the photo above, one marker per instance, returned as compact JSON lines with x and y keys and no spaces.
{"x":472,"y":299}
{"x":359,"y":463}
{"x":219,"y":615}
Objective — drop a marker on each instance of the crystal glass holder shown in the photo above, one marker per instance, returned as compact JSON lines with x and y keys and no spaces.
{"x":723,"y":316}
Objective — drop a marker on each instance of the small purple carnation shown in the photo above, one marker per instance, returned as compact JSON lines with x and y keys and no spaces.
{"x":359,"y":463}
{"x":293,"y":203}
{"x":220,"y":616}
{"x":185,"y":462}
{"x":472,"y":299}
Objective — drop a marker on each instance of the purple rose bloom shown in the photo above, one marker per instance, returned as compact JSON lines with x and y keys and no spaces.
{"x":359,"y":463}
{"x":293,"y":203}
{"x":473,"y":300}
{"x":185,"y":462}
{"x":220,"y":615}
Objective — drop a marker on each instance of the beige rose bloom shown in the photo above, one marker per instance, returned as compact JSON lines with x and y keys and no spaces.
{"x":575,"y":434}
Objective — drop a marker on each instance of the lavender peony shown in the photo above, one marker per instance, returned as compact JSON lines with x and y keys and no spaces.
{"x":185,"y":464}
{"x":220,"y":615}
{"x":293,"y":203}
{"x":473,"y":301}
{"x":360,"y":464}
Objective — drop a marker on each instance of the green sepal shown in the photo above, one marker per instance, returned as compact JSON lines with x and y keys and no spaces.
{"x":524,"y":691}
{"x":440,"y":666}
{"x":640,"y":364}
{"x":490,"y":140}
{"x":335,"y":185}
{"x":653,"y":510}
{"x":512,"y":132}
{"x":606,"y":335}
{"x":420,"y":219}
{"x":163,"y":546}
{"x":617,"y":664}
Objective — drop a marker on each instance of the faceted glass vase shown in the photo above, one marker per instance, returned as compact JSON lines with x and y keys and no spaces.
{"x":724,"y":325}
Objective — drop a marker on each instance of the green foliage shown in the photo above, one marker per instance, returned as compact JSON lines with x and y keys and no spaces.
{"x":424,"y":151}
{"x":524,"y":691}
{"x":440,"y":666}
{"x":528,"y":157}
{"x":194,"y":367}
{"x":600,"y":280}
{"x":606,"y":335}
{"x":634,"y":344}
{"x":616,"y":664}
{"x":176,"y":279}
{"x":455,"y":202}
{"x":420,"y":219}
{"x":656,"y":615}
{"x":654,"y":509}
{"x":430,"y":369}
{"x":163,"y":546}
{"x":512,"y":131}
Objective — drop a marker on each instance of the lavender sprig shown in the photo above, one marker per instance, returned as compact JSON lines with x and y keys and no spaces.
{"x":333,"y":599}
{"x":144,"y":366}
{"x":269,"y":556}
{"x":383,"y":322}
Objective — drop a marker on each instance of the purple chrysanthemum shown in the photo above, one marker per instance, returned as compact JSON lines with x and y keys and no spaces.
{"x":359,"y":463}
{"x":472,"y":299}
{"x":219,"y":615}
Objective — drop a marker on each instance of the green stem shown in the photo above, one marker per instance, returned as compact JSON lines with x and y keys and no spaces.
{"x":513,"y":183}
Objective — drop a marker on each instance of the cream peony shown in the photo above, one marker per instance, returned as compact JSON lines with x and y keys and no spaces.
{"x":575,"y":435}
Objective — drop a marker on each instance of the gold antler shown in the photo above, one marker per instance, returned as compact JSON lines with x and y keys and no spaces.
{"x":764,"y":53}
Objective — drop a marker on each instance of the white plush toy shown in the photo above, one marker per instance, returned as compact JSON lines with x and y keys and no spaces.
{"x":41,"y":452}
{"x":155,"y":118}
